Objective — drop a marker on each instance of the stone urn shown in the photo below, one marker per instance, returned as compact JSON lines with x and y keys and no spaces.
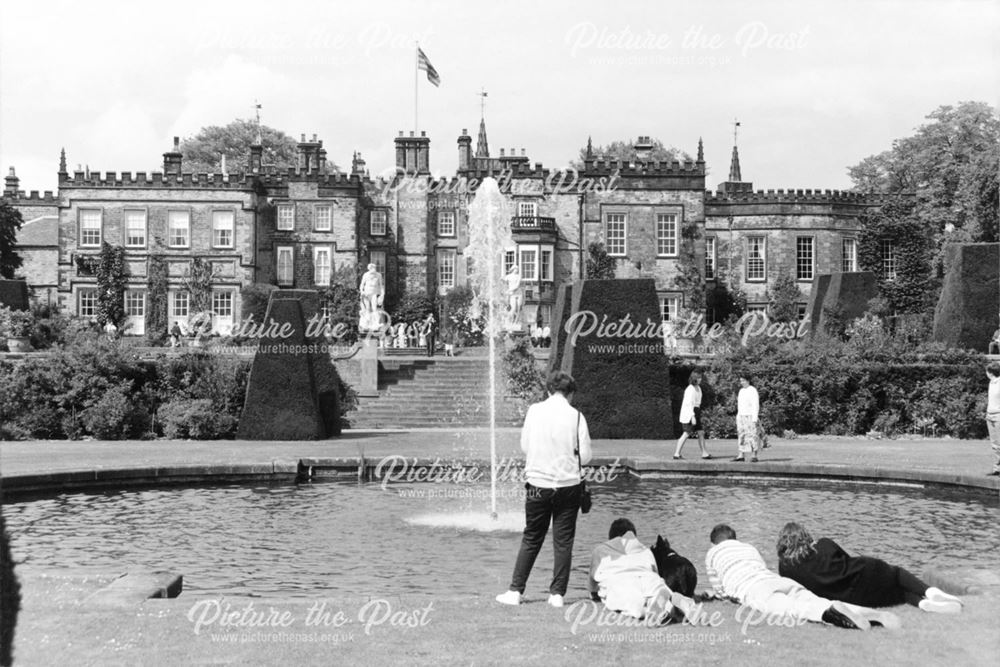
{"x":19,"y":344}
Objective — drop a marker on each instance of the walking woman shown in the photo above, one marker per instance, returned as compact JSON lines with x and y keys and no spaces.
{"x":690,"y":416}
{"x":747,"y":416}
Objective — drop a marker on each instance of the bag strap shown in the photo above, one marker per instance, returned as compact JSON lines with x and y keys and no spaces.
{"x":576,"y":436}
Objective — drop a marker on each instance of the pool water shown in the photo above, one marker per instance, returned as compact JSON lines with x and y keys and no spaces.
{"x":342,"y":538}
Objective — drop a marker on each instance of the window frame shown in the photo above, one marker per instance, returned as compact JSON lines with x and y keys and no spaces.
{"x":81,"y":229}
{"x":799,"y":257}
{"x":890,"y":263}
{"x":762,"y":259}
{"x":450,"y":254}
{"x":849,"y":260}
{"x":665,"y":301}
{"x":675,"y":237}
{"x":384,"y":215}
{"x":624,"y":233}
{"x":328,"y":209}
{"x":127,"y":227}
{"x":711,"y":245}
{"x":380,"y":267}
{"x":216,"y":214}
{"x":441,"y":229}
{"x":173,"y":299}
{"x":90,"y":292}
{"x":278,"y":251}
{"x":129,"y":301}
{"x":170,"y":228}
{"x":317,"y":251}
{"x":285,"y":223}
{"x":533,"y":207}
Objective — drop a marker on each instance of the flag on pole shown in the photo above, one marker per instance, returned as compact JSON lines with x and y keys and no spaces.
{"x":425,"y":64}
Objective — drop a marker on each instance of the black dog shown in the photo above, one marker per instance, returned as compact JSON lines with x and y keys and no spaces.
{"x":676,"y":571}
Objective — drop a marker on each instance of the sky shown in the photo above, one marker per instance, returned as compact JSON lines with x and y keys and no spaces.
{"x":815,"y":86}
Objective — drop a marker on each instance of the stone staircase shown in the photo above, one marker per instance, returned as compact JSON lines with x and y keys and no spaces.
{"x":434,"y":393}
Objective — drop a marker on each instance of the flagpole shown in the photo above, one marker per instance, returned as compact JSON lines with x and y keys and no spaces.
{"x":416,"y":81}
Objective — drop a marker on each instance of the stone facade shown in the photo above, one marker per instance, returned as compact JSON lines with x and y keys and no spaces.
{"x":302,"y":228}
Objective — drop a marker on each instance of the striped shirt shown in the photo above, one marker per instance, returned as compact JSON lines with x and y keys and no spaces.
{"x":734,"y":567}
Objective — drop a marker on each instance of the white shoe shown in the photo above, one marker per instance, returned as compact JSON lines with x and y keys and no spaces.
{"x":941,"y":606}
{"x":510,"y":597}
{"x":938,"y":595}
{"x":556,"y":601}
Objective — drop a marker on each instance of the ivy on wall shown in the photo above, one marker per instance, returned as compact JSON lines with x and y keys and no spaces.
{"x":112,"y":274}
{"x":198,"y":283}
{"x":914,"y":287}
{"x":156,"y":310}
{"x":690,"y":278}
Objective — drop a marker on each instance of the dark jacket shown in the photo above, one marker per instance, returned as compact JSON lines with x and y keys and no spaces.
{"x":833,"y":574}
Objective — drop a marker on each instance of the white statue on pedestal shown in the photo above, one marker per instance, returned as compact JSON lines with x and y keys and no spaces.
{"x":372,"y":289}
{"x":515,"y":298}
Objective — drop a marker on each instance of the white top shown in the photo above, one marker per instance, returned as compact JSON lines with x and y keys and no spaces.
{"x":735,"y":567}
{"x":623,"y":572}
{"x":692,"y":400}
{"x":748,"y":403}
{"x":993,"y":397}
{"x":549,"y":439}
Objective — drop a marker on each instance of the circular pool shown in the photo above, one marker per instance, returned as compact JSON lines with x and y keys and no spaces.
{"x":345,"y":538}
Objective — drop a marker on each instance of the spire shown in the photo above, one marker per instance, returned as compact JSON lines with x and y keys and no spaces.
{"x":734,"y":167}
{"x":590,"y":149}
{"x":482,"y":146}
{"x":701,"y":151}
{"x":62,"y":161}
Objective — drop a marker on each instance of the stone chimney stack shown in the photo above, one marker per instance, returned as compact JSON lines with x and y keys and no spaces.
{"x":643,"y":149}
{"x":11,"y":184}
{"x":464,"y":151}
{"x":413,"y":154}
{"x":172,"y":159}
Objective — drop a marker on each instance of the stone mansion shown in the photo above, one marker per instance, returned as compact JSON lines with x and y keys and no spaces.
{"x":297,"y":227}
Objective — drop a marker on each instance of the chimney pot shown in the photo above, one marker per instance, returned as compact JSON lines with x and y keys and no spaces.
{"x":177,"y":144}
{"x":423,"y":133}
{"x":400,"y":133}
{"x":303,"y":138}
{"x":411,"y":133}
{"x":501,"y":152}
{"x":465,"y":131}
{"x":524,"y":152}
{"x":314,"y":137}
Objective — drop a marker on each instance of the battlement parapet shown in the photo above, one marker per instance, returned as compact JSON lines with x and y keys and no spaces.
{"x":32,"y":198}
{"x":627,"y":169}
{"x":235,"y":181}
{"x":807,"y":196}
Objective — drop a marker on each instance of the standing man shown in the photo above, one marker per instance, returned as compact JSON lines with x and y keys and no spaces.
{"x":556,"y":443}
{"x":747,"y":415}
{"x":690,"y":416}
{"x":993,"y":414}
{"x":429,"y":334}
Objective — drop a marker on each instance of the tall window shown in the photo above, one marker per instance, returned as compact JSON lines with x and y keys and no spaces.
{"x":321,"y":265}
{"x":804,"y":258}
{"x":669,"y":306}
{"x":87,"y":306}
{"x":178,"y":229}
{"x":285,"y":265}
{"x":135,"y":228}
{"x":286,"y":217}
{"x":888,"y":251}
{"x":509,"y":260}
{"x":529,"y":263}
{"x":377,"y":257}
{"x":546,"y":265}
{"x":378,"y":223}
{"x":756,"y":258}
{"x":222,"y":312}
{"x":135,"y":303}
{"x":709,"y":258}
{"x":527,"y":209}
{"x":222,"y":229}
{"x":666,"y":234}
{"x":179,"y":305}
{"x":615,"y":224}
{"x":90,"y":227}
{"x":324,"y":218}
{"x":849,"y":263}
{"x":446,"y":223}
{"x":446,"y":269}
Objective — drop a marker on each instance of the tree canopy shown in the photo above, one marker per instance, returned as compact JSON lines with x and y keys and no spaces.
{"x":626,"y":152}
{"x":951,"y":165}
{"x":203,"y":152}
{"x":10,"y":224}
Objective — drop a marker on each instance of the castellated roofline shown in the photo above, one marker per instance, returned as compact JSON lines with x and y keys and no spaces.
{"x":142,"y":179}
{"x":803,"y":196}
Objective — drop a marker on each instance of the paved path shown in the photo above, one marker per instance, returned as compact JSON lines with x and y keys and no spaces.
{"x":942,"y":461}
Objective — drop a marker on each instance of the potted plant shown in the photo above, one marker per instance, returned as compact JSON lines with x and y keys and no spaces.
{"x":15,"y":326}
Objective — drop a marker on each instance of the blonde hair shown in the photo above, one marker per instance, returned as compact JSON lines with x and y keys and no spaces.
{"x":794,"y":543}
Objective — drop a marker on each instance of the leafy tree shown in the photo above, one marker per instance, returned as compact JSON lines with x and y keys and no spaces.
{"x":950,"y":164}
{"x":783,"y":297}
{"x":689,"y":272}
{"x":459,"y":319}
{"x":600,"y":265}
{"x":626,"y":152}
{"x":203,"y":152}
{"x":10,"y":224}
{"x":156,"y":312}
{"x":343,"y":301}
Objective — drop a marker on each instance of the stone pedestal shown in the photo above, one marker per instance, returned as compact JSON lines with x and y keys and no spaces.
{"x":368,"y":359}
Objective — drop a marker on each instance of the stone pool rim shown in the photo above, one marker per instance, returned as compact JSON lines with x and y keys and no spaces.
{"x":290,"y":469}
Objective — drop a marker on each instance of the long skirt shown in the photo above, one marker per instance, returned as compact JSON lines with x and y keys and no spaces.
{"x":746,"y":430}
